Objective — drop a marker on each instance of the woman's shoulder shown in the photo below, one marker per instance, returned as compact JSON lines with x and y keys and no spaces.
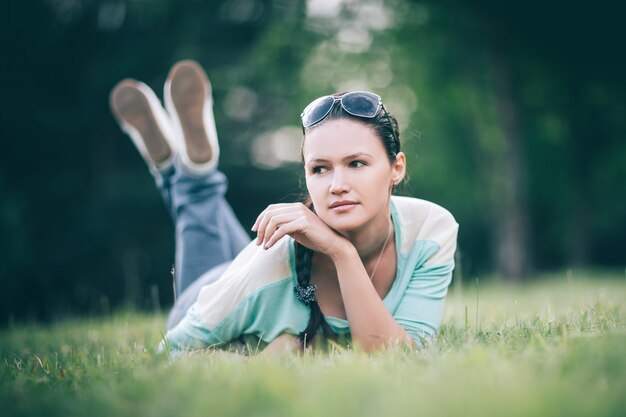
{"x":423,"y":220}
{"x":412,"y":209}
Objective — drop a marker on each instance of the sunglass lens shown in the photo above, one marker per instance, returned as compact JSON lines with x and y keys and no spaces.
{"x":361,"y":104}
{"x":317,"y":110}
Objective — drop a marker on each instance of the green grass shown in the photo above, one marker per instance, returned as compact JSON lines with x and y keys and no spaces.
{"x":554,"y":347}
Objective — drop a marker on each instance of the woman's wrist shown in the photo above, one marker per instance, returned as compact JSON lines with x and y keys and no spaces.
{"x":342,"y":251}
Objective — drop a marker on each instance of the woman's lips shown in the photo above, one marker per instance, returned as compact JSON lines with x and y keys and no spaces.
{"x":344,"y":207}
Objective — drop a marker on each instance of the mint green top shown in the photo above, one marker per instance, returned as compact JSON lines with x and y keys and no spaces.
{"x":255,"y":295}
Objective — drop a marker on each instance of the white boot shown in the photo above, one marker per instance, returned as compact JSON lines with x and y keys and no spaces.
{"x":140,"y":114}
{"x":190,"y":105}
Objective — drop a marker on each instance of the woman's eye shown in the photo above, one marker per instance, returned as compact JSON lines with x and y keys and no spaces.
{"x":357,"y":164}
{"x":318,"y":170}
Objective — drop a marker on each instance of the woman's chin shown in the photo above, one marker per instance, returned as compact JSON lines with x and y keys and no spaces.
{"x":343,"y":225}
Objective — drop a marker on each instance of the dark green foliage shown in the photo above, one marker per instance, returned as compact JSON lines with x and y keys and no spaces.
{"x":83,"y":229}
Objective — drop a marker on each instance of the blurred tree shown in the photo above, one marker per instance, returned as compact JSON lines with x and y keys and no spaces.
{"x":511,"y":116}
{"x":509,"y":81}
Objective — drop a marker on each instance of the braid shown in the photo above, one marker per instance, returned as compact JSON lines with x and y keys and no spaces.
{"x":304,"y":258}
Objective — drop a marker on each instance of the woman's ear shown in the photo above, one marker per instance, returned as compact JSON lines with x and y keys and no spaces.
{"x":399,"y":169}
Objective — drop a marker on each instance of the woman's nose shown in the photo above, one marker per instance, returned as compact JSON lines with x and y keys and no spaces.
{"x":339,"y":183}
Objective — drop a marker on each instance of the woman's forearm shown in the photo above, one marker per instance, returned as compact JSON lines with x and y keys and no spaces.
{"x":372,"y":326}
{"x":282,"y":345}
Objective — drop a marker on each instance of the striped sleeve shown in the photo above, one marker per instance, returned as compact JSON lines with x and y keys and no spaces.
{"x":421,"y":307}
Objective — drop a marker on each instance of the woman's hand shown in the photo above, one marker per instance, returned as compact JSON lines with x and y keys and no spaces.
{"x":297,"y":221}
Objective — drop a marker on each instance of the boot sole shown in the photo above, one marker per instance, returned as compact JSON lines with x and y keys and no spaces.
{"x":189,"y":90}
{"x":130,"y":106}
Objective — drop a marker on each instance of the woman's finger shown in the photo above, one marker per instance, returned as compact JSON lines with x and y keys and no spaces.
{"x":255,"y":226}
{"x":268,"y":214}
{"x":271,"y":221}
{"x":261,"y":222}
{"x":285,"y":229}
{"x":278,"y":220}
{"x":256,"y":222}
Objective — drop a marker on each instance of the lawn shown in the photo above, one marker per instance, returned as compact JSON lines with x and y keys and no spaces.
{"x":554,"y":347}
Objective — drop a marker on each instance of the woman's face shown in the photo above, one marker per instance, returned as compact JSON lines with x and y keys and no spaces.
{"x":348,"y":173}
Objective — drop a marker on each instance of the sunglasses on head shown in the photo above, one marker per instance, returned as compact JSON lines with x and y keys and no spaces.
{"x":357,"y":103}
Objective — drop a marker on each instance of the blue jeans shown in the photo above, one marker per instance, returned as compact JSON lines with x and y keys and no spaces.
{"x":208,"y":234}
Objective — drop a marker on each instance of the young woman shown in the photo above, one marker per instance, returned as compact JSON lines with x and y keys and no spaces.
{"x":354,"y":263}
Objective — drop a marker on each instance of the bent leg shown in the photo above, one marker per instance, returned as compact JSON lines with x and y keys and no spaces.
{"x":163,"y":179}
{"x":207,"y":231}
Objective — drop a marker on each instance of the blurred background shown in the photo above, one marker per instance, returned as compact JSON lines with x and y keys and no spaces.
{"x":512,"y":117}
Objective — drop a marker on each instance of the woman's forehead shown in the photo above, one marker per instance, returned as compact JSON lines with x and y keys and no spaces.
{"x":338,"y":139}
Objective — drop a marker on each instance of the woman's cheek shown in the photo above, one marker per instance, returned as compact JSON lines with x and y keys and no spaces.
{"x":317,"y":194}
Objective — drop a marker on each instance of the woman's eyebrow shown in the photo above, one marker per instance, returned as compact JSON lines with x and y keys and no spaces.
{"x":352,"y":156}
